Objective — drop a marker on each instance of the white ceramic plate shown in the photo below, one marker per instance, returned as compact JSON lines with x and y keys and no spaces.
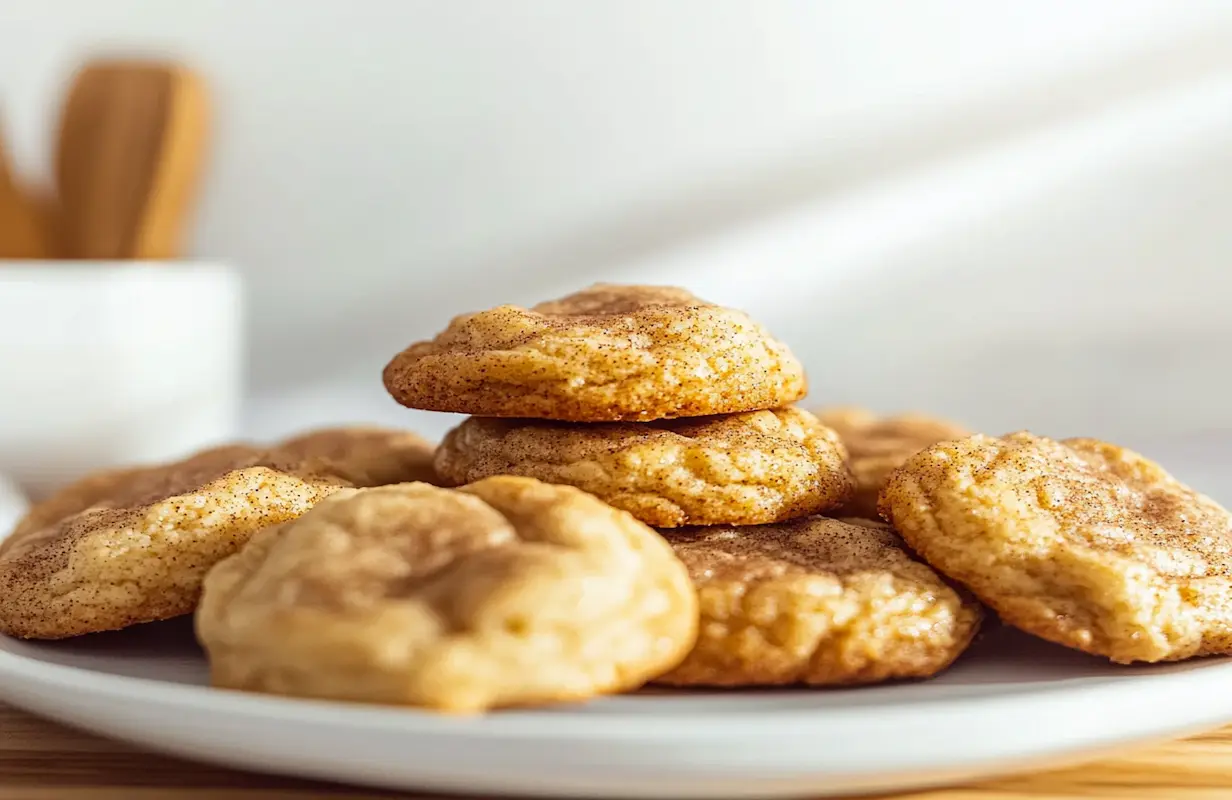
{"x":1010,"y":703}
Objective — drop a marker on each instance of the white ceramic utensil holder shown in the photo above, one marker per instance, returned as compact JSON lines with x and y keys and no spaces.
{"x":105,"y":364}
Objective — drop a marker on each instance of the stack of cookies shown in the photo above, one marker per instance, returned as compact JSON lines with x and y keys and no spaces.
{"x":678,"y":411}
{"x":652,"y":400}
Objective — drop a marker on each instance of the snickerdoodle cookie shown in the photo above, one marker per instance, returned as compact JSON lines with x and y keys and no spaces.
{"x":816,"y":601}
{"x":504,"y":592}
{"x":367,"y":455}
{"x":878,"y":445}
{"x":606,"y":354}
{"x":132,"y":546}
{"x":740,"y":469}
{"x":1081,"y":542}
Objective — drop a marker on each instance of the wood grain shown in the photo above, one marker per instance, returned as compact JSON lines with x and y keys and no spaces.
{"x":43,"y":761}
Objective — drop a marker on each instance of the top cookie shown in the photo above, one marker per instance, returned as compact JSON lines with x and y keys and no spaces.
{"x":1080,"y":542}
{"x":606,"y":354}
{"x":367,"y":455}
{"x":876,"y":446}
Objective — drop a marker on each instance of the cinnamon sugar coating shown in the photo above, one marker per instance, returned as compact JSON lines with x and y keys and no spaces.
{"x":606,"y":354}
{"x":1079,"y":541}
{"x":740,"y":469}
{"x":816,"y":601}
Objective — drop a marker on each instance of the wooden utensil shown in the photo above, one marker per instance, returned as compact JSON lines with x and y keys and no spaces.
{"x":22,"y":233}
{"x":132,"y":136}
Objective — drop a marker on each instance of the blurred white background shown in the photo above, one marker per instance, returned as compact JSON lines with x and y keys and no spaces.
{"x":1013,"y":213}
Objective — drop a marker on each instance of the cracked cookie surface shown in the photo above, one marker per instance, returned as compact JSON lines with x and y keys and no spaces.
{"x":505,"y":592}
{"x":605,"y":354}
{"x":816,"y":601}
{"x":132,"y":546}
{"x":878,"y":445}
{"x":740,"y":469}
{"x":1078,"y":541}
{"x":367,"y":455}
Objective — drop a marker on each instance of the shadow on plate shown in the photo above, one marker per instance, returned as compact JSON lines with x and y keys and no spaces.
{"x":165,"y":651}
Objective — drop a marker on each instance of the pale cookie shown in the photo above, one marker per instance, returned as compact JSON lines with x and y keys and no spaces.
{"x":877,"y":446}
{"x":606,"y":354}
{"x":505,"y":592}
{"x":367,"y":455}
{"x":741,"y":469}
{"x":134,"y":547}
{"x":816,"y":601}
{"x":1079,"y":542}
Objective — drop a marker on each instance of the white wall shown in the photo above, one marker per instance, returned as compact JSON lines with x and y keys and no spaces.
{"x":377,"y":161}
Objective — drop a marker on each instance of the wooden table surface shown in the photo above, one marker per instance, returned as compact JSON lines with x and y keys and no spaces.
{"x":43,"y":761}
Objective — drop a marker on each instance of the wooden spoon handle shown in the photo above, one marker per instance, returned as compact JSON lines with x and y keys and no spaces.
{"x":130,"y":154}
{"x":22,"y":233}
